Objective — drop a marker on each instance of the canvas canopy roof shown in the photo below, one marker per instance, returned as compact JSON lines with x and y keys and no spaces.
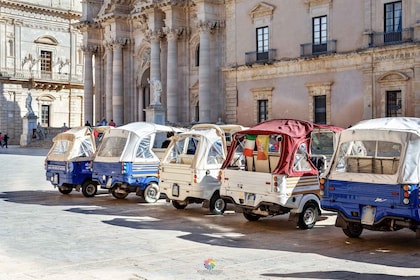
{"x":75,"y":143}
{"x":293,"y":133}
{"x":132,"y":142}
{"x":400,"y":130}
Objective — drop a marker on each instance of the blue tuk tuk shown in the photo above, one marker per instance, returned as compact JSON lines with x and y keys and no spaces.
{"x":68,"y":162}
{"x":373,"y":180}
{"x":128,"y":158}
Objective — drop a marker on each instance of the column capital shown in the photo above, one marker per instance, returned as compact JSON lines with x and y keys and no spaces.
{"x":209,"y":26}
{"x":154,"y":35}
{"x":90,"y":49}
{"x":173,"y":33}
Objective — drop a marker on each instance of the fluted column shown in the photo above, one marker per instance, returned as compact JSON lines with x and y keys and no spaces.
{"x":117,"y":84}
{"x":98,"y":87}
{"x":172,"y":76}
{"x":88,"y":84}
{"x":108,"y":87}
{"x":204,"y":97}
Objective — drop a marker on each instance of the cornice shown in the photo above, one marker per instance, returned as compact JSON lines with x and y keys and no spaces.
{"x":27,"y":7}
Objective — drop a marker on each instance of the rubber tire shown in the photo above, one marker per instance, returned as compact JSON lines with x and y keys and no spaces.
{"x":65,"y":189}
{"x":353,"y":230}
{"x":217,"y":204}
{"x":89,"y":189}
{"x":308,"y":216}
{"x":179,"y":205}
{"x":118,"y":195}
{"x":249,"y":216}
{"x":151,"y":194}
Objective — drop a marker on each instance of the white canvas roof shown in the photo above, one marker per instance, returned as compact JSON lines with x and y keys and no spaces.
{"x":404,"y":131}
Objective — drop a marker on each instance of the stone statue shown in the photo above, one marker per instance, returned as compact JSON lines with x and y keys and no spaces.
{"x":28,"y":104}
{"x":156,"y":87}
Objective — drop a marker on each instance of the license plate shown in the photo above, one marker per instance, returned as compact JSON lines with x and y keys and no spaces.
{"x":368,"y":215}
{"x":175,"y":190}
{"x":55,"y":178}
{"x":250,"y":196}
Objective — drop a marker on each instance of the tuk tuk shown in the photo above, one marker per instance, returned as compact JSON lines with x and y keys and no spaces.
{"x":188,"y":171}
{"x":68,"y":162}
{"x":128,"y":160}
{"x":373,"y":180}
{"x":269,"y":170}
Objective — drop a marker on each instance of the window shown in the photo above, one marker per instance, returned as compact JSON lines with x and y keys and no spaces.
{"x":393,"y":103}
{"x":45,"y":62}
{"x":11,"y":48}
{"x":319,"y":34}
{"x":45,"y":115}
{"x":320,"y":109}
{"x":197,"y":56}
{"x":262,"y":43}
{"x":393,"y":22}
{"x":262,"y":110}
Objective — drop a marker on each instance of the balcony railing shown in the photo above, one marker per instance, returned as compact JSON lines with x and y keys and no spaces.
{"x":377,"y":39}
{"x":317,"y":49}
{"x":40,"y":76}
{"x":260,"y":57}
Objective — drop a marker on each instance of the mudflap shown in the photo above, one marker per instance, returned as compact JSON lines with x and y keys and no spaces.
{"x":294,"y":217}
{"x":206,"y":204}
{"x":339,"y":222}
{"x":418,"y":233}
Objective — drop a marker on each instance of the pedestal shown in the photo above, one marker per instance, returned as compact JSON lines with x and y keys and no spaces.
{"x":28,"y":129}
{"x":156,"y":114}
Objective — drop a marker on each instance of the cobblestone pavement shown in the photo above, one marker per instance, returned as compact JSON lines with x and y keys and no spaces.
{"x":47,"y":235}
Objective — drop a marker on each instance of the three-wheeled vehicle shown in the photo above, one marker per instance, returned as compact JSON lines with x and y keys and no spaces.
{"x":373,"y":181}
{"x":269,"y":171}
{"x":68,"y":163}
{"x":188,"y":171}
{"x":128,"y":159}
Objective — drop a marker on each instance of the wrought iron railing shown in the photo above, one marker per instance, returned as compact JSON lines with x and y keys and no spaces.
{"x":377,"y":39}
{"x":309,"y":49}
{"x":260,"y":57}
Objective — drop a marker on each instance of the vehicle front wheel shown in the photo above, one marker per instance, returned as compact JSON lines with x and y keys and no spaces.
{"x":119,"y":194}
{"x":250,"y":216}
{"x":353,"y":230}
{"x":65,"y":189}
{"x":217,"y":204}
{"x":151,"y":193}
{"x":179,"y":204}
{"x":308,"y":216}
{"x":89,"y":189}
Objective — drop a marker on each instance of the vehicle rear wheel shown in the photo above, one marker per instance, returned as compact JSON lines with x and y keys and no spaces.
{"x":179,"y":204}
{"x":217,"y":204}
{"x":250,"y":216}
{"x":151,"y":193}
{"x":308,"y":216}
{"x":65,"y":189}
{"x":89,"y":189}
{"x":119,"y":194}
{"x":353,"y":230}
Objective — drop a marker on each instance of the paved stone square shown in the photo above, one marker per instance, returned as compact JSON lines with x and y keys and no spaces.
{"x":47,"y":235}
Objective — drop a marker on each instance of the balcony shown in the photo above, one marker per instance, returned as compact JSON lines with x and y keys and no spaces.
{"x":310,"y":49}
{"x":377,"y":39}
{"x":260,"y":57}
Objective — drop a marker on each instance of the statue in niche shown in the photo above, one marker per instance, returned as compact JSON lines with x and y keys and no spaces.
{"x":156,"y":87}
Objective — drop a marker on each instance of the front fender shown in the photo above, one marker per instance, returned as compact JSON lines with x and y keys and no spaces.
{"x":304,"y":200}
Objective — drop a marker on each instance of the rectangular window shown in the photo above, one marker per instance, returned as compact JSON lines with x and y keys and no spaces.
{"x":262,"y":110}
{"x":320,"y":109}
{"x":46,"y":65}
{"x":393,"y":22}
{"x":45,"y":115}
{"x":262,"y":43}
{"x":319,"y":34}
{"x":393,"y":103}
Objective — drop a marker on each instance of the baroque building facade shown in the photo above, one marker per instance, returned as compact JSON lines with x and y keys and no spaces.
{"x":41,"y":54}
{"x":238,"y":61}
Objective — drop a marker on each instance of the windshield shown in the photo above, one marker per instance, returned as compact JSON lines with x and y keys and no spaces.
{"x":61,"y":147}
{"x":368,"y":156}
{"x":112,"y":146}
{"x":181,"y":148}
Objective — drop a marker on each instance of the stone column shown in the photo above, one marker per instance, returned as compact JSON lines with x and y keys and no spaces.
{"x":108,"y":86}
{"x":99,"y":87}
{"x":204,"y":94}
{"x":88,"y":84}
{"x":172,"y":76}
{"x":117,"y":84}
{"x":154,"y":56}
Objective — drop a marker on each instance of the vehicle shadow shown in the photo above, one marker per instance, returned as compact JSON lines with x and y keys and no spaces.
{"x":397,"y":249}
